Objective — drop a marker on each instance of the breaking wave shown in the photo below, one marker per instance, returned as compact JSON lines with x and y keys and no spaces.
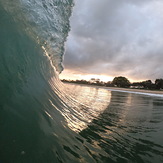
{"x":44,"y":121}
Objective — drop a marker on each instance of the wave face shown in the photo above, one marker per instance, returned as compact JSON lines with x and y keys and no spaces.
{"x":32,"y":37}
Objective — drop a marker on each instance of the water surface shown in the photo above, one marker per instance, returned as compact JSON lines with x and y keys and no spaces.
{"x":127,"y":127}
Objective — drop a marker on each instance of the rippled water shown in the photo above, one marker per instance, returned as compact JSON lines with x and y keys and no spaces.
{"x":124,"y":127}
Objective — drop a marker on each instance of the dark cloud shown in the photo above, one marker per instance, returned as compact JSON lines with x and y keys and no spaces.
{"x":117,"y":38}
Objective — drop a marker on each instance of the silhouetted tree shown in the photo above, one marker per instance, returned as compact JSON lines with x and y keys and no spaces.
{"x":147,"y":84}
{"x":121,"y":82}
{"x":159,"y":83}
{"x":109,"y":84}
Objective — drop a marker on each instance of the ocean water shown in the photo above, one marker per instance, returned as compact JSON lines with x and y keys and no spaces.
{"x":123,"y":127}
{"x":45,"y":121}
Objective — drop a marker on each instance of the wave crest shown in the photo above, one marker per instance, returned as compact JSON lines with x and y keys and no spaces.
{"x":46,"y":21}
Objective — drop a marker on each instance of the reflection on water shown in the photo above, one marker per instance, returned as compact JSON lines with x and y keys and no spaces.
{"x":83,"y":124}
{"x":127,"y":127}
{"x":88,"y":104}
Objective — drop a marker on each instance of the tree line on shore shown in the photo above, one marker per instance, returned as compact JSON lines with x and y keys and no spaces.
{"x":122,"y":82}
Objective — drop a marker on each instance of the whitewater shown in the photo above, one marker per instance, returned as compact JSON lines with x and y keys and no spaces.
{"x":43,"y":120}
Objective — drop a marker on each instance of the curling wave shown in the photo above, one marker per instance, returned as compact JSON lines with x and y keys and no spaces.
{"x":44,"y":121}
{"x":32,"y":37}
{"x":38,"y":121}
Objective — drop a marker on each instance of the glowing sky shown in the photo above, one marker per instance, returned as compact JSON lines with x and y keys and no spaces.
{"x":115,"y":38}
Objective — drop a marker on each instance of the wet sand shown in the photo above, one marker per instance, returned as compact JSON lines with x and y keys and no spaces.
{"x":134,"y":90}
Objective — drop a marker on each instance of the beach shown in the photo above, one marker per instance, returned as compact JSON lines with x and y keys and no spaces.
{"x":135,"y":90}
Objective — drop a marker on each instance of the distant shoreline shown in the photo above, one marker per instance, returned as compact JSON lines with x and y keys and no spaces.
{"x":135,"y":90}
{"x":130,"y":90}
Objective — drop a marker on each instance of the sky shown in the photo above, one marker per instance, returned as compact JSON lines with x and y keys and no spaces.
{"x":111,"y":38}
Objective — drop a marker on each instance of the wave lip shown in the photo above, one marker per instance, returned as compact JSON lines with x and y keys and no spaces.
{"x":45,"y":21}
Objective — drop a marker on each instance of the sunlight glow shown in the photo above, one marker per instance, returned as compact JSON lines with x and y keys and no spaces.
{"x":69,"y":75}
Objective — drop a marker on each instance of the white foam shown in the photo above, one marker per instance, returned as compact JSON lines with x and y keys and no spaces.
{"x":46,"y":21}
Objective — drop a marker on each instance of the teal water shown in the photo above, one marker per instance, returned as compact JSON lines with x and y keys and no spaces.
{"x":45,"y":121}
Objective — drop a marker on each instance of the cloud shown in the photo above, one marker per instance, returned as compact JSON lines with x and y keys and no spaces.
{"x":116,"y":38}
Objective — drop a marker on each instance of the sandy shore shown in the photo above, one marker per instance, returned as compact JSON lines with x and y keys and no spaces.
{"x":134,"y":90}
